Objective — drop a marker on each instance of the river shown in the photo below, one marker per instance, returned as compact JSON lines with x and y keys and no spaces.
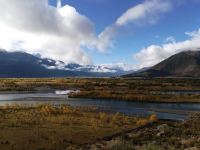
{"x":126,"y":107}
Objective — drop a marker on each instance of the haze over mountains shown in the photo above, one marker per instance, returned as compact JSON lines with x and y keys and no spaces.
{"x":21,"y":64}
{"x":184,"y":64}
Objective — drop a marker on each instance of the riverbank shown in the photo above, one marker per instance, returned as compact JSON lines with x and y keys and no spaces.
{"x":166,"y":90}
{"x":169,"y":111}
{"x":78,"y":128}
{"x":61,"y":127}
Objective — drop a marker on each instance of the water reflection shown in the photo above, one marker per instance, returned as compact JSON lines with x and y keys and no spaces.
{"x":127,"y":107}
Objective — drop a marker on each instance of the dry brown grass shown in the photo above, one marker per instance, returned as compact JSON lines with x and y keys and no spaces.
{"x":53,"y":127}
{"x":113,"y":88}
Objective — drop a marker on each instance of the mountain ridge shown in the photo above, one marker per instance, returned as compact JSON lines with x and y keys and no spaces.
{"x":183,"y":64}
{"x":24,"y":65}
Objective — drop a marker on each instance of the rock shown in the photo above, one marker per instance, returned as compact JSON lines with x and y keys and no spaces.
{"x":160,"y":133}
{"x":162,"y":127}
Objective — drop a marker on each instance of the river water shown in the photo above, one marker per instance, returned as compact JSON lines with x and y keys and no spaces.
{"x":126,"y":107}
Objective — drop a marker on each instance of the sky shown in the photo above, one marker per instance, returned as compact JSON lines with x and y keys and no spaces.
{"x":138,"y":33}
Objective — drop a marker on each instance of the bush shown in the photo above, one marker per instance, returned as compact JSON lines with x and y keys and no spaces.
{"x":142,"y":122}
{"x":102,"y":116}
{"x":153,"y":118}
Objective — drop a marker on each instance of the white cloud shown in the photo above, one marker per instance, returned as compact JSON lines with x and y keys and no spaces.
{"x":115,"y":67}
{"x":170,"y":39}
{"x":155,"y":53}
{"x":147,"y":12}
{"x":104,"y":41}
{"x":36,"y":27}
{"x":59,"y":4}
{"x":61,"y":32}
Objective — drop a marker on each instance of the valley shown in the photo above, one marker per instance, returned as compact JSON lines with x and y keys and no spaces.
{"x":99,"y":75}
{"x":99,"y":113}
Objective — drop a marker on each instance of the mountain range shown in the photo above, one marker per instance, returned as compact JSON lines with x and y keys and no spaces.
{"x":24,"y":65}
{"x":21,"y":64}
{"x":184,"y":64}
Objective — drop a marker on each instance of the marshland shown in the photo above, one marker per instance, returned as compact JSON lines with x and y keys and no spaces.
{"x":99,"y":113}
{"x":133,"y":89}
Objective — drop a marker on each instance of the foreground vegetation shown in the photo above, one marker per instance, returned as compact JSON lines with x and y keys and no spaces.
{"x":60,"y":127}
{"x":160,"y":136}
{"x":135,"y":89}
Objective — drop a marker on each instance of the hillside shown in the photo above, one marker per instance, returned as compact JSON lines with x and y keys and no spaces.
{"x":184,"y":64}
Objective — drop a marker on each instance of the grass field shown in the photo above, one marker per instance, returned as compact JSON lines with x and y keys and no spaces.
{"x":60,"y":127}
{"x":135,"y":89}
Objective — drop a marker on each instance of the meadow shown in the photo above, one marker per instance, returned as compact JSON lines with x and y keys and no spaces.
{"x":60,"y":127}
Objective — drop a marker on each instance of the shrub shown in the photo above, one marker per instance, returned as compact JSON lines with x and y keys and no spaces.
{"x":94,"y":124}
{"x":102,"y":116}
{"x":47,"y":109}
{"x":115,"y":117}
{"x":142,"y":122}
{"x":153,"y":118}
{"x":65,"y":109}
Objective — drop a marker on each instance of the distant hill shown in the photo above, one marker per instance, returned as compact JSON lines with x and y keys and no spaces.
{"x":184,"y":64}
{"x":21,"y":65}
